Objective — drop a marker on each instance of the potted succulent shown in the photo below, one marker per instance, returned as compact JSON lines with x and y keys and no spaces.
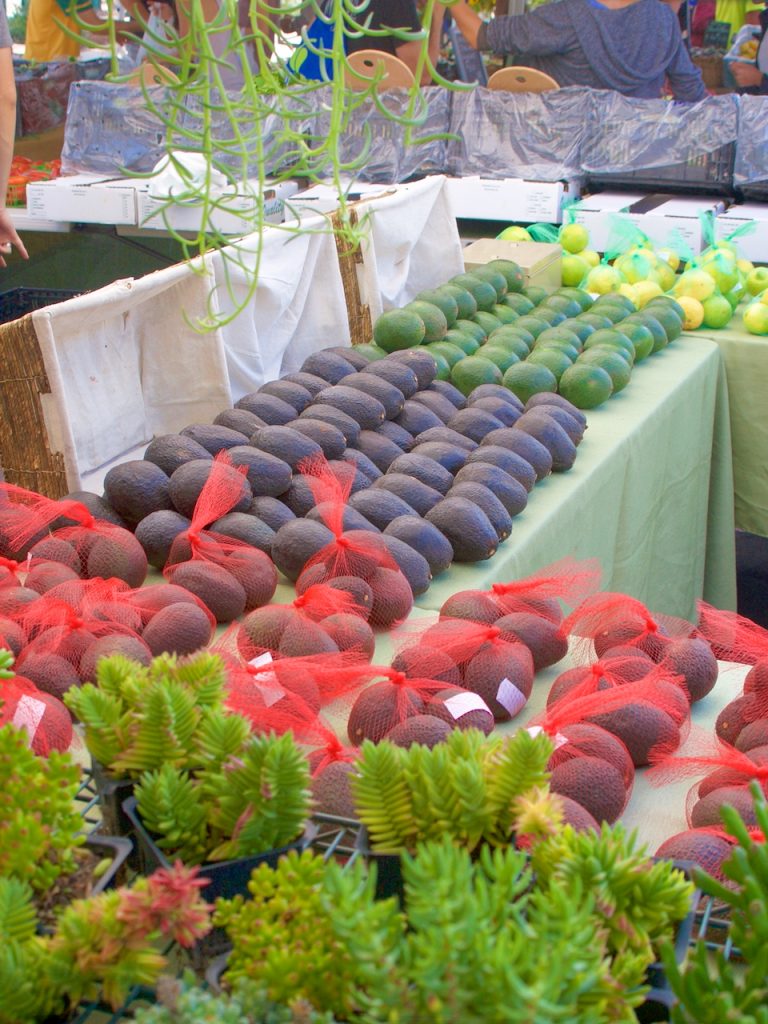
{"x":711,"y":988}
{"x":182,"y":1001}
{"x":42,"y":844}
{"x":136,"y":718}
{"x":100,"y":947}
{"x":477,"y":938}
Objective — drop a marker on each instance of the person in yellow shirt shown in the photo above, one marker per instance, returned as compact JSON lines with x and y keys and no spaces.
{"x":737,"y":13}
{"x":51,"y":22}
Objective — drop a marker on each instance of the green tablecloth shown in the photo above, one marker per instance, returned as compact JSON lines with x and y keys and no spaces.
{"x":746,"y":366}
{"x":650,"y":495}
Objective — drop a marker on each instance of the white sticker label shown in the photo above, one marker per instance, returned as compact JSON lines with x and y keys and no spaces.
{"x":462,"y":703}
{"x":558,"y":739}
{"x":28,"y":715}
{"x":270,"y":688}
{"x":510,"y":697}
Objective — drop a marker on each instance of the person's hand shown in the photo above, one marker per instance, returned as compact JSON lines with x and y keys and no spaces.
{"x":9,"y":237}
{"x":746,"y":75}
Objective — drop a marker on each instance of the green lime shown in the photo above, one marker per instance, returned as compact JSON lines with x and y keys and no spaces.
{"x":586,"y":385}
{"x":533,"y":324}
{"x":596,"y":320}
{"x":660,"y":340}
{"x":669,"y":301}
{"x":535,"y":293}
{"x":473,"y":371}
{"x":434,"y":319}
{"x":370,"y":351}
{"x":583,"y":298}
{"x":512,"y":335}
{"x":504,"y":313}
{"x":526,"y":379}
{"x":485,"y":295}
{"x":559,"y":346}
{"x":612,"y":362}
{"x":502,"y":357}
{"x":511,"y":271}
{"x":561,"y":335}
{"x":398,"y":329}
{"x":580,"y":329}
{"x":612,"y":310}
{"x":640,"y":337}
{"x":613,"y":338}
{"x":520,"y":303}
{"x":562,"y":303}
{"x":472,"y":328}
{"x":669,"y":320}
{"x":452,"y":354}
{"x":463,"y":298}
{"x":609,"y":348}
{"x":493,"y":277}
{"x":616,"y":299}
{"x":443,"y":366}
{"x":462,"y":340}
{"x":518,"y":346}
{"x":444,"y":302}
{"x":487,"y":321}
{"x":552,"y":316}
{"x":555,"y":359}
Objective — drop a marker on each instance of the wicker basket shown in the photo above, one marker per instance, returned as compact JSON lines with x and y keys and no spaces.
{"x":711,"y":67}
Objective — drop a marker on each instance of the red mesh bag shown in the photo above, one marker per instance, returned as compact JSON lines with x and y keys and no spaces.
{"x":492,"y":663}
{"x":60,"y":635}
{"x":322,"y":620}
{"x":613,"y":670}
{"x":707,"y":847}
{"x":565,"y":582}
{"x":728,"y":774}
{"x":391,"y":699}
{"x":646,"y":715}
{"x":228,"y":576}
{"x":44,"y":718}
{"x":356,"y":554}
{"x":589,"y":765}
{"x":11,"y":572}
{"x":173,"y":619}
{"x":610,"y":620}
{"x":733,"y":637}
{"x":91,"y":548}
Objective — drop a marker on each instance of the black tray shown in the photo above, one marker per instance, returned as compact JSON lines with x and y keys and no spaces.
{"x":710,"y":173}
{"x":17,"y":302}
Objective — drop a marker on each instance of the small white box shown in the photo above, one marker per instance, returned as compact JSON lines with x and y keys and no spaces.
{"x":235,"y":217}
{"x":753,"y":244}
{"x":84,"y":199}
{"x":509,"y":199}
{"x":540,"y":262}
{"x":666,"y":220}
{"x":323,"y":198}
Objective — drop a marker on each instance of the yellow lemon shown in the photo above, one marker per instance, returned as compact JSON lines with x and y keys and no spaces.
{"x":694,"y":312}
{"x":696,"y":283}
{"x":645,"y":291}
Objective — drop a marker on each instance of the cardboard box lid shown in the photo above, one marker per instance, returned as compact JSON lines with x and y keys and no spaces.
{"x":529,"y":256}
{"x":745,"y":212}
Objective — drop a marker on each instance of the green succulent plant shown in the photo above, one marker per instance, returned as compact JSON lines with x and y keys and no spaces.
{"x":137,"y":718}
{"x":639,"y":901}
{"x":183,"y":1001}
{"x":479,"y":940}
{"x":465,"y":787}
{"x":710,"y":988}
{"x":40,"y":828}
{"x":256,"y":800}
{"x":101,"y":946}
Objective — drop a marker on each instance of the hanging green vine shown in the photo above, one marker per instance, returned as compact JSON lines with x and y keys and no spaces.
{"x":275,"y":128}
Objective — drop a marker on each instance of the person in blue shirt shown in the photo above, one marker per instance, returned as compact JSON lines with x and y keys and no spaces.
{"x":631,"y":46}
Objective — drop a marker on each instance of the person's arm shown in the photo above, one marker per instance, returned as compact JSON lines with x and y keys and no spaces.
{"x":8,"y":235}
{"x":684,"y":77}
{"x":124,"y":30}
{"x":408,"y":52}
{"x":540,"y":33}
{"x":748,"y":76}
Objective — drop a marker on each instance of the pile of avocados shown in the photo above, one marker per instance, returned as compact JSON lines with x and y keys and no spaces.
{"x":440,"y":475}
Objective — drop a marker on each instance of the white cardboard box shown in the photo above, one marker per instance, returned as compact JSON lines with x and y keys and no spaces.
{"x":509,"y":199}
{"x":540,"y":262}
{"x":667,"y":220}
{"x":83,"y":198}
{"x":324,"y":198}
{"x":235,"y":217}
{"x":752,"y":245}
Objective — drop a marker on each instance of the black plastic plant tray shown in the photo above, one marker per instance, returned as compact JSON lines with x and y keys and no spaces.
{"x":17,"y":302}
{"x":711,"y":173}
